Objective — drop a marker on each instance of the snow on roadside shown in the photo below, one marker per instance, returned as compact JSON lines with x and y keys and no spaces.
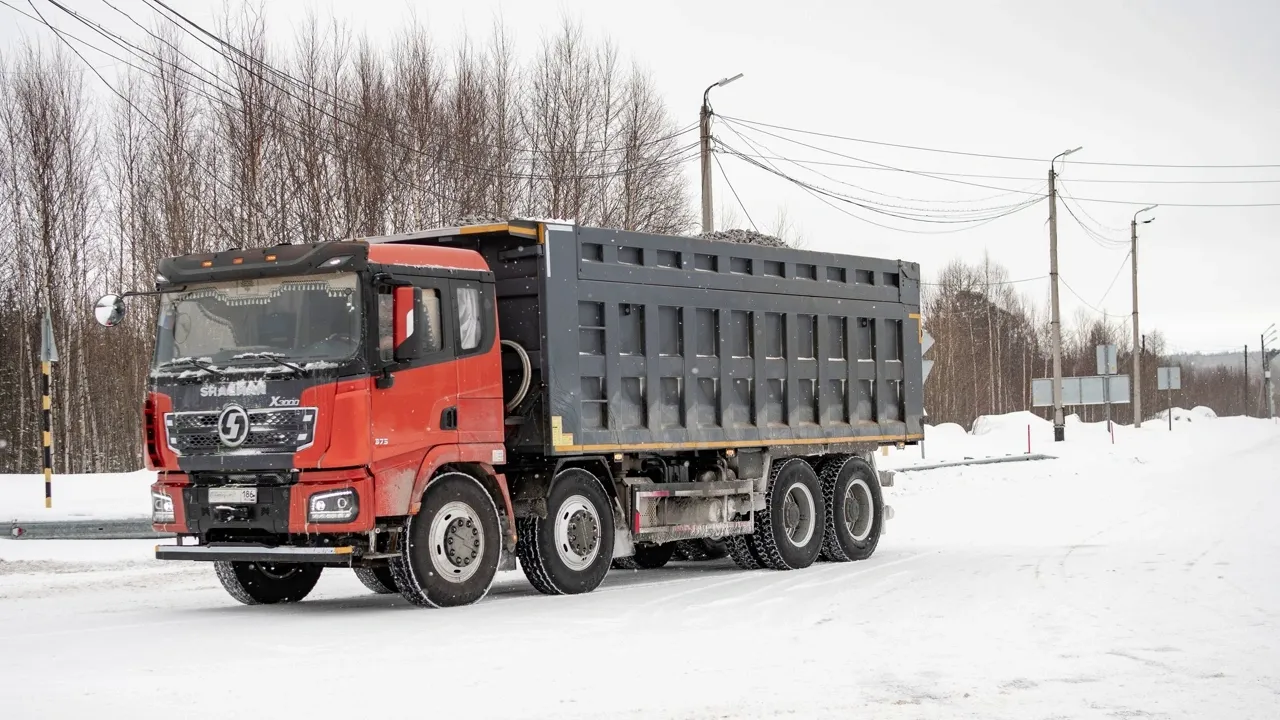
{"x":88,"y":496}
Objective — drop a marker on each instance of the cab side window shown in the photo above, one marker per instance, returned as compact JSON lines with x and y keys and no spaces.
{"x":469,"y":318}
{"x":432,"y":339}
{"x":386,"y":337}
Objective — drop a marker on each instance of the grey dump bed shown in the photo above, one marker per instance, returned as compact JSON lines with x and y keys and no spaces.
{"x":651,"y":343}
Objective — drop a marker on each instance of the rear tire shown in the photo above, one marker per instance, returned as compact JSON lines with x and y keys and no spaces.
{"x":378,"y":579}
{"x":451,"y":548}
{"x":702,"y":549}
{"x":569,"y":551}
{"x":742,"y":553}
{"x":855,"y":509}
{"x":647,"y":557}
{"x":789,"y":531}
{"x":254,"y":583}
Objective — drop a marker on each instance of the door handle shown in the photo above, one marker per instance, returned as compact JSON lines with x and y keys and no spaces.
{"x":449,"y":418}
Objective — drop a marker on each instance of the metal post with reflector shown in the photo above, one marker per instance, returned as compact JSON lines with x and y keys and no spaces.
{"x":48,"y":356}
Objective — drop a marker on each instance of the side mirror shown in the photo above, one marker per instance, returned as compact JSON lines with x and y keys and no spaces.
{"x":109,"y":311}
{"x":406,"y":324}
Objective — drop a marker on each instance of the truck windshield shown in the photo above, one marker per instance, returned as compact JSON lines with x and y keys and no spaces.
{"x":304,"y":319}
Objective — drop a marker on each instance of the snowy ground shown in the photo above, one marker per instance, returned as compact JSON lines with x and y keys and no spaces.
{"x":1134,"y":580}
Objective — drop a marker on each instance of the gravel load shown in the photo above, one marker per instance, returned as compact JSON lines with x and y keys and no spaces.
{"x":745,"y":237}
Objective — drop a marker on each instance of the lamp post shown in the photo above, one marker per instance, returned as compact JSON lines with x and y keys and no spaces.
{"x":1137,"y":349}
{"x":704,"y":142}
{"x":1059,"y":421}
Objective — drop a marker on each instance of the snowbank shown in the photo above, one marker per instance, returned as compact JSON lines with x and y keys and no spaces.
{"x":90,"y":496}
{"x":1198,"y":413}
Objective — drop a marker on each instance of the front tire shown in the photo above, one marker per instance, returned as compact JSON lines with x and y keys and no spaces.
{"x":789,"y":531}
{"x":451,"y":548}
{"x":378,"y":578}
{"x":569,"y":551}
{"x":855,"y":509}
{"x":255,"y":583}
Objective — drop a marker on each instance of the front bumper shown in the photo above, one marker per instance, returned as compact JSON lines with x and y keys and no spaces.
{"x":337,"y":556}
{"x":279,"y":509}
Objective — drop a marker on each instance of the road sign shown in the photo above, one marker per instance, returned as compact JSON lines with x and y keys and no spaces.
{"x":926,"y":342}
{"x":48,"y":349}
{"x":1107,"y":362}
{"x":1169,"y":378}
{"x":1089,"y":390}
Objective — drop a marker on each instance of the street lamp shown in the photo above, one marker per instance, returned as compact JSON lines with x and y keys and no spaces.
{"x":704,"y":142}
{"x":1059,"y":422}
{"x":1268,"y":336}
{"x":1137,"y":349}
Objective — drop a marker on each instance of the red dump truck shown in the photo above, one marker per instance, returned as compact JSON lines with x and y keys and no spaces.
{"x":433,"y":407}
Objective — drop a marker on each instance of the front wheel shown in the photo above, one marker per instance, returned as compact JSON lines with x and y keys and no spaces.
{"x":378,"y":578}
{"x":569,"y":551}
{"x":255,"y":583}
{"x":451,"y":548}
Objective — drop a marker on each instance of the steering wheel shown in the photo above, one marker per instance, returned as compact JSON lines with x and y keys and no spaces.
{"x":344,"y":337}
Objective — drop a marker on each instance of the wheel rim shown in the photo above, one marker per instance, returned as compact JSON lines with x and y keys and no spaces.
{"x":457,"y":542}
{"x":797,"y":515}
{"x":577,"y":532}
{"x":277,"y":572}
{"x":858,"y":510}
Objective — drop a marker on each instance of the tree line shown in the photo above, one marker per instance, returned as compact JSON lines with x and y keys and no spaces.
{"x":992,"y":338}
{"x":202,"y":147}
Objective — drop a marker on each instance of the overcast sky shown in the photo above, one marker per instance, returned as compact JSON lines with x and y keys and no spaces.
{"x":1155,"y":82}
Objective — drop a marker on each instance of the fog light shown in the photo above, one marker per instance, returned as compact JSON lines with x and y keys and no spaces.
{"x":333,"y":506}
{"x":161,"y":509}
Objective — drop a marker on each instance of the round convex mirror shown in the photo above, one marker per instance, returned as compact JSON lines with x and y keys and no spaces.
{"x":109,"y":310}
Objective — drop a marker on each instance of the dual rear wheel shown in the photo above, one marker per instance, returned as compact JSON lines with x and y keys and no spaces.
{"x":835,"y":513}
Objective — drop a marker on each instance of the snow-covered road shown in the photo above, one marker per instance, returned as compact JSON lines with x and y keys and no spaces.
{"x":1135,"y":580}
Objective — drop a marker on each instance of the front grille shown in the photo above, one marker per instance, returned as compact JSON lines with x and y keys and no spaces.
{"x":272,"y":430}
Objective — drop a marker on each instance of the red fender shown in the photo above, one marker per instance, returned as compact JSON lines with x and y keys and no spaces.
{"x":482,"y":454}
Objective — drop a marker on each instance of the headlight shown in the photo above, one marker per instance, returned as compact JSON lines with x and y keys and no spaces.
{"x":334,"y":506}
{"x":161,"y":509}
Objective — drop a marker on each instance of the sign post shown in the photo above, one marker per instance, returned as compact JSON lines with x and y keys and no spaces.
{"x":1169,"y":379}
{"x":1108,"y":366}
{"x":48,"y":356}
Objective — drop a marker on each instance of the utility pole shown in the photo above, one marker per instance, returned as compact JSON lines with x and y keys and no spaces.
{"x":1268,"y":398}
{"x":704,"y":144}
{"x":1137,"y":353}
{"x":1059,"y":419}
{"x":1246,"y":381}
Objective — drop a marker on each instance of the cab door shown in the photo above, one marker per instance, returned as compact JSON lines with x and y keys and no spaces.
{"x":414,"y":402}
{"x":479,"y":361}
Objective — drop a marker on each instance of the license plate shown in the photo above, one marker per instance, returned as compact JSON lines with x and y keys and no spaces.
{"x":233,"y":495}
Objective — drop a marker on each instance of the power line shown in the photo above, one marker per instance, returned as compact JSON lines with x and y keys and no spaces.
{"x":995,"y":284}
{"x":735,"y":193}
{"x":982,"y":176}
{"x":760,"y":145}
{"x":989,"y":155}
{"x":58,"y":33}
{"x":672,"y":157}
{"x":898,"y":211}
{"x":1006,"y":189}
{"x":1117,"y":276}
{"x":289,"y":78}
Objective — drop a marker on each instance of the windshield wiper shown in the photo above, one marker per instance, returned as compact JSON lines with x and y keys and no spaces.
{"x":192,"y":362}
{"x":273,"y":357}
